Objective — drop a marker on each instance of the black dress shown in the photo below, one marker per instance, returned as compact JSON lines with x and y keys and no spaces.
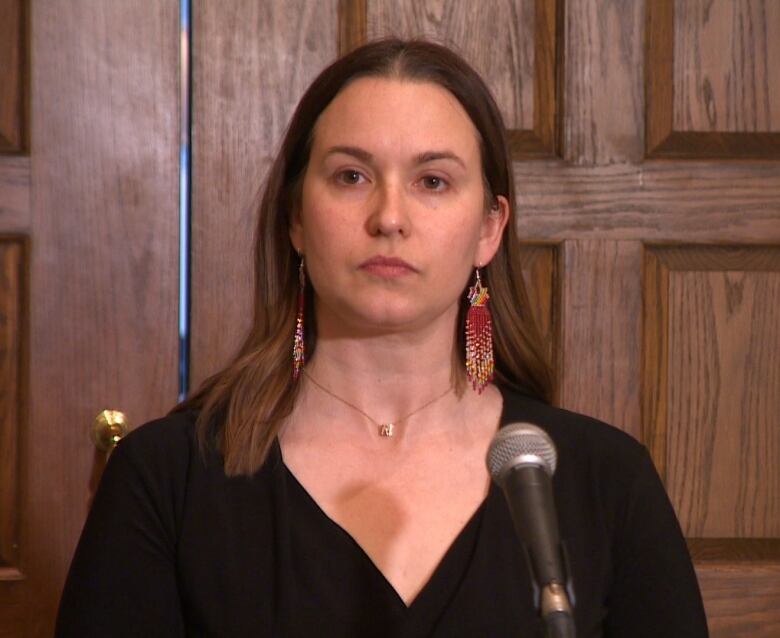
{"x":172,"y":547}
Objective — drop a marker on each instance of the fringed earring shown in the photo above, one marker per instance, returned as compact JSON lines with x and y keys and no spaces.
{"x":479,"y":337}
{"x":299,"y":357}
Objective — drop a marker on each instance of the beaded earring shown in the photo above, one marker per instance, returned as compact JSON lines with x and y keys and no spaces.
{"x":299,"y":358}
{"x":479,"y":337}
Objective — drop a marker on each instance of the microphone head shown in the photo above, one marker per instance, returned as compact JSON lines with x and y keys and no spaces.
{"x":519,"y":444}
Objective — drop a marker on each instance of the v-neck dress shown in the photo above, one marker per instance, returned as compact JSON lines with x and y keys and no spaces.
{"x":173,"y":547}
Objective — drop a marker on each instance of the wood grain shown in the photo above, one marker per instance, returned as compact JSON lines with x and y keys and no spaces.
{"x":12,"y":399}
{"x":656,"y":201}
{"x":12,"y":610}
{"x":726,"y":72}
{"x":353,"y":27}
{"x":713,"y":87}
{"x":724,"y":402}
{"x":253,"y":63}
{"x":711,"y":384}
{"x":541,"y":270}
{"x":513,"y":44}
{"x":696,"y":145}
{"x":13,"y":76}
{"x":602,"y":306}
{"x":659,"y":73}
{"x":496,"y":37}
{"x":14,"y":194}
{"x":711,"y":459}
{"x":741,"y":601}
{"x":655,"y":355}
{"x":740,"y":257}
{"x":603,"y":89}
{"x":104,"y":262}
{"x":735,"y":550}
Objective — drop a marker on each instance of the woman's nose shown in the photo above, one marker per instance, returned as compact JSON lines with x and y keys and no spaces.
{"x":390,"y":215}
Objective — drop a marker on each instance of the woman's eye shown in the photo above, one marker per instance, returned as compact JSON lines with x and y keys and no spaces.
{"x":349,"y":177}
{"x":433,"y":183}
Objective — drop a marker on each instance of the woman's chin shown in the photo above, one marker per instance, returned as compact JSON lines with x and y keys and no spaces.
{"x":370,"y":322}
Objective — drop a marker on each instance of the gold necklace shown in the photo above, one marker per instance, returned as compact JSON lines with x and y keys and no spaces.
{"x":385,"y":429}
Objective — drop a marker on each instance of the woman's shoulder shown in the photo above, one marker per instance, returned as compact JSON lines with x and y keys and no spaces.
{"x":580,"y":439}
{"x":159,"y":452}
{"x":173,"y":434}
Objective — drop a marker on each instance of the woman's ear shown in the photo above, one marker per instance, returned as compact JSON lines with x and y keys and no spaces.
{"x":296,"y":231}
{"x":492,"y":230}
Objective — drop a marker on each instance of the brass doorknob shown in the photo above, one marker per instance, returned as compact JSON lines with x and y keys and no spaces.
{"x":109,"y":428}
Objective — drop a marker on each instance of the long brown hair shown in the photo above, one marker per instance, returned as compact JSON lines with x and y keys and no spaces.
{"x":242,"y":408}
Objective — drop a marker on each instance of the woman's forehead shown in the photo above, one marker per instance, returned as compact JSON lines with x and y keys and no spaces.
{"x":391,"y":115}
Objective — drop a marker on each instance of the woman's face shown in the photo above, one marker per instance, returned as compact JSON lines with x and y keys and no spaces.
{"x":392,"y":219}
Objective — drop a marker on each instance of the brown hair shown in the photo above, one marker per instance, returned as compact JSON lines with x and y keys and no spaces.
{"x":242,"y":407}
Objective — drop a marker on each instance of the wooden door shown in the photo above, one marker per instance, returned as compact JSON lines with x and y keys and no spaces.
{"x":646,"y":136}
{"x":88,"y":265}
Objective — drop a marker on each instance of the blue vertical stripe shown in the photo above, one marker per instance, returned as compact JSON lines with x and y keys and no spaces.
{"x":184,"y":198}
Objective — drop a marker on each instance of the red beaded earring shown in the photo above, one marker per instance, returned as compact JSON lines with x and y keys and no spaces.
{"x":479,"y":337}
{"x":299,"y":357}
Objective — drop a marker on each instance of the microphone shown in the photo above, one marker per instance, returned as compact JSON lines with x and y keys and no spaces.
{"x":522,"y":460}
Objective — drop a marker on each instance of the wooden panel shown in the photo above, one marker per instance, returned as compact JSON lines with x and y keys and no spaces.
{"x":724,"y":397}
{"x":603,"y":90}
{"x":14,"y":194}
{"x":710,"y":405}
{"x":12,"y":609}
{"x":540,"y":263}
{"x":713,"y":82}
{"x":254,"y":61}
{"x":496,"y":37}
{"x":352,"y":25}
{"x":13,"y":75}
{"x":13,"y":629}
{"x":513,"y":44}
{"x":741,"y":601}
{"x":656,"y":201}
{"x":12,"y":400}
{"x":104,"y":256}
{"x":744,"y":550}
{"x":726,"y":76}
{"x":602,"y":306}
{"x":712,"y":386}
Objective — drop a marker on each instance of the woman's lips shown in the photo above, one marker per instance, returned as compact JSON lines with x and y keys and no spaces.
{"x":388,"y":267}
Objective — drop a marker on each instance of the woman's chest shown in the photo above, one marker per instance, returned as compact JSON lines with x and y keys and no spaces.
{"x":264,"y":552}
{"x":403,"y":516}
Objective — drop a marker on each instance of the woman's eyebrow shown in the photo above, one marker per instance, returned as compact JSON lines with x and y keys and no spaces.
{"x":354,"y":151}
{"x":420,"y":158}
{"x":430,"y":156}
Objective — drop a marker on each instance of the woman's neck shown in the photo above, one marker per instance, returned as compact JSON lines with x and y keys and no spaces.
{"x":362,"y":378}
{"x":393,"y":374}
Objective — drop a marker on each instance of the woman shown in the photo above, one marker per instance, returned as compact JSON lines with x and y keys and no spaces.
{"x":344,"y":492}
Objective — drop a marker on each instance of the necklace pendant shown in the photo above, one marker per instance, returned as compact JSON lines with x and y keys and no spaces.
{"x":386,"y":430}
